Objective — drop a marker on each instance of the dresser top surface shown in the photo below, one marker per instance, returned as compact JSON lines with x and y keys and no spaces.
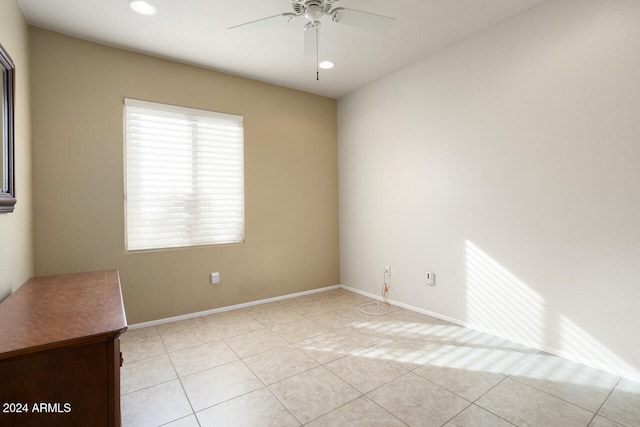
{"x":56,"y":311}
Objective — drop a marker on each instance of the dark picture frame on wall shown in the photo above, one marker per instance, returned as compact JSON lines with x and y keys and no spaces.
{"x":7,"y":120}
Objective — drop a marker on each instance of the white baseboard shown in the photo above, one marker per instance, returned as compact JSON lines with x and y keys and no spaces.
{"x":403,"y":305}
{"x":229,"y":308}
{"x":560,"y":353}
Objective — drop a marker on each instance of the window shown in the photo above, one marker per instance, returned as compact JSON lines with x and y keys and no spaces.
{"x":184,"y":177}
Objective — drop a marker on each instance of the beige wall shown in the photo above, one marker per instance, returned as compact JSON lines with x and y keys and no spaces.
{"x":291,"y":197}
{"x":508,"y":165}
{"x":16,"y":241}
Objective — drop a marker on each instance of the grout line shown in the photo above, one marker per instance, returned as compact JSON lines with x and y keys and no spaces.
{"x":475,"y":402}
{"x":605,"y":401}
{"x":283,"y":405}
{"x":147,"y":387}
{"x":182,"y":418}
{"x":336,"y":408}
{"x":455,"y":415}
{"x":193,"y":412}
{"x":383,"y":408}
{"x":559,"y":397}
{"x":489,"y":391}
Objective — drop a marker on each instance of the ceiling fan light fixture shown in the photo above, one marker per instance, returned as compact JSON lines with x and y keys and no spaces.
{"x":143,"y":7}
{"x":313,"y":12}
{"x":326,"y":65}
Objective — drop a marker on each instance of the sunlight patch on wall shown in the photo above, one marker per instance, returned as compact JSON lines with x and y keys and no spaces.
{"x":500,"y":303}
{"x":576,"y":343}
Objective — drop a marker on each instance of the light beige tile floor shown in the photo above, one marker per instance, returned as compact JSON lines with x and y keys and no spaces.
{"x":317,"y":360}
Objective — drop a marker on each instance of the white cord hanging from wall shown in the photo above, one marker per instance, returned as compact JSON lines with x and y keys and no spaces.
{"x":377,"y":308}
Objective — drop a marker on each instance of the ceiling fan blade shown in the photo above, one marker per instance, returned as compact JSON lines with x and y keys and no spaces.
{"x":311,"y":34}
{"x":362,"y":19}
{"x":265,"y":22}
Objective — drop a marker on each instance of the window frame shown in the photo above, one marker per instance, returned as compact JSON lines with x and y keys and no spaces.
{"x":200,"y":116}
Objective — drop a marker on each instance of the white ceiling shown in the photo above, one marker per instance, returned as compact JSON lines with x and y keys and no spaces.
{"x":195,"y":32}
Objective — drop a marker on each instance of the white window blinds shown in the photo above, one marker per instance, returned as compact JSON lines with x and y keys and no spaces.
{"x":184,"y":177}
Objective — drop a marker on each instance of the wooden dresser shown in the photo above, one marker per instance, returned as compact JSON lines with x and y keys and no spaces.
{"x":60,"y":351}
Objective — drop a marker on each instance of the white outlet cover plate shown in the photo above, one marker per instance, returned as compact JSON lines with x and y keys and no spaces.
{"x":215,"y":278}
{"x":430,"y":278}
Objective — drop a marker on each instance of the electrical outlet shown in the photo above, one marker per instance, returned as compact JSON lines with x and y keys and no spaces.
{"x":387,"y":270}
{"x":215,"y":278}
{"x":430,"y":278}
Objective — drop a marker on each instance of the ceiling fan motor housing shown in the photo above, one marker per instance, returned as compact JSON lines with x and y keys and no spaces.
{"x":313,"y":9}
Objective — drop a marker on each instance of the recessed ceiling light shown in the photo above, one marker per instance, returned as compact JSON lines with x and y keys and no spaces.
{"x":326,"y":65}
{"x":143,"y":7}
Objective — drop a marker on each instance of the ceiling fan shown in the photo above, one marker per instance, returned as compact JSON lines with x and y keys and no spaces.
{"x":313,"y":11}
